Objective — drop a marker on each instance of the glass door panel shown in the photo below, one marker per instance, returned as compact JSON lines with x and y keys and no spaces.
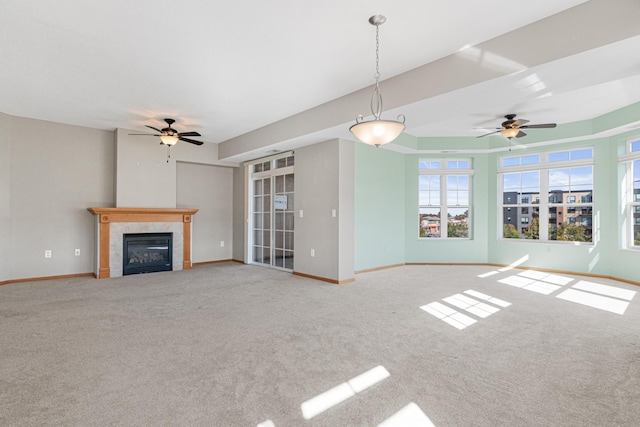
{"x":283,"y":227}
{"x":261,"y":240}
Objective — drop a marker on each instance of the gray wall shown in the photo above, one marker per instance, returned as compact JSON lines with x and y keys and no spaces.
{"x":144,"y":177}
{"x":323,"y":183}
{"x":239,"y":213}
{"x":5,"y":200}
{"x":209,"y":189}
{"x":50,"y":174}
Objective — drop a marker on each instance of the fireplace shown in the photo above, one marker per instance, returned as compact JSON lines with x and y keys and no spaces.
{"x":147,"y":253}
{"x":113,"y":223}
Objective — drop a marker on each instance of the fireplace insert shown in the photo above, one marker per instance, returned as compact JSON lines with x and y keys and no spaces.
{"x":147,"y":253}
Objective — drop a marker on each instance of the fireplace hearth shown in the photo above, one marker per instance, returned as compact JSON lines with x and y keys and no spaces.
{"x":147,"y":253}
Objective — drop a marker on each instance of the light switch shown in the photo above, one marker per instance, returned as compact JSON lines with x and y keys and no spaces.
{"x":333,"y":213}
{"x":301,"y":213}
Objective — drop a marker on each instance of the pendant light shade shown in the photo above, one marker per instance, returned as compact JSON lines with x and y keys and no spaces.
{"x":510,"y":132}
{"x":168,"y":139}
{"x":377,"y":131}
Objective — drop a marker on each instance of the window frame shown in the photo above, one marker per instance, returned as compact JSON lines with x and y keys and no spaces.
{"x":629,"y":202}
{"x":443,"y":172}
{"x":543,"y":201}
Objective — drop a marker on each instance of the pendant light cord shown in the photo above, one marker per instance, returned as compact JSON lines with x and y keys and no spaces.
{"x":377,"y":74}
{"x":376,"y":97}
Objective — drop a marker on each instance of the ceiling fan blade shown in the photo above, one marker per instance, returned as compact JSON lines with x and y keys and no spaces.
{"x":156,"y":129}
{"x":540,"y":126}
{"x":192,"y":141}
{"x":143,"y":134}
{"x":521,"y":134}
{"x":487,"y":134}
{"x":188,"y":134}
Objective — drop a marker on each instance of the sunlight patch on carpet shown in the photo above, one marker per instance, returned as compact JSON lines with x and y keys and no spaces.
{"x":602,"y":297}
{"x":488,"y":274}
{"x":611,"y":291}
{"x":330,"y":398}
{"x":410,"y":415}
{"x":488,"y":298}
{"x":470,"y":305}
{"x":474,"y":307}
{"x":448,"y":315}
{"x":537,"y":281}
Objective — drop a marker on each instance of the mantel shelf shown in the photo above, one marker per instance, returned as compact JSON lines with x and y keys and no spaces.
{"x":142,"y":211}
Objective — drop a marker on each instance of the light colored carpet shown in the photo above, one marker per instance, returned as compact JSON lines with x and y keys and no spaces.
{"x":237,"y":345}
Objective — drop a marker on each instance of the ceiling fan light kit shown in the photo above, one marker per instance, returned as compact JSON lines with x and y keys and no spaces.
{"x":512,"y":128}
{"x":377,"y":131}
{"x":168,"y":139}
{"x":510,"y":133}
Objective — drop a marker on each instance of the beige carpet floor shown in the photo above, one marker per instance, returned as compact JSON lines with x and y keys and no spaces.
{"x":237,"y":345}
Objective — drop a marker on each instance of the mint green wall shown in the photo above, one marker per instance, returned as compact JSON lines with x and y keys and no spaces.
{"x":593,"y":259}
{"x":386,"y":207}
{"x":379,"y":207}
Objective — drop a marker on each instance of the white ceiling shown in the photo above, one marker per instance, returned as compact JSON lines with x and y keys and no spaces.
{"x":227,"y":68}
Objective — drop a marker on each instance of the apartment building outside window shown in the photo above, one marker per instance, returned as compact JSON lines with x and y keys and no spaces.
{"x":548,"y":196}
{"x":444,"y":193}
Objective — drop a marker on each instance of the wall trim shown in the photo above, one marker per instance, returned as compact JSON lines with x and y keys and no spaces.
{"x":42,"y":278}
{"x":384,"y":267}
{"x":195,"y":264}
{"x":520,"y":267}
{"x":339,"y":282}
{"x":549,"y":270}
{"x":324,"y":279}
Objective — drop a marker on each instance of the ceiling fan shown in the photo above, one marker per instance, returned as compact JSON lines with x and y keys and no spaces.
{"x":169,"y":136}
{"x":511,"y":128}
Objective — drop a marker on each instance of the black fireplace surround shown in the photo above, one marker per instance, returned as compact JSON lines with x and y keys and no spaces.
{"x":147,"y":253}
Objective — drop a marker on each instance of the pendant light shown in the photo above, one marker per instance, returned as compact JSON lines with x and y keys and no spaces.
{"x":377,"y":131}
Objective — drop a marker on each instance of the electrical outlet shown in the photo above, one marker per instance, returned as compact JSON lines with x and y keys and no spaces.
{"x":77,"y":252}
{"x":47,"y":253}
{"x":222,"y":243}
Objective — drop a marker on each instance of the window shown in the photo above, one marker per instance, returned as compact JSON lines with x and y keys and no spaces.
{"x":560,"y":184}
{"x":444,"y":194}
{"x":631,"y":162}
